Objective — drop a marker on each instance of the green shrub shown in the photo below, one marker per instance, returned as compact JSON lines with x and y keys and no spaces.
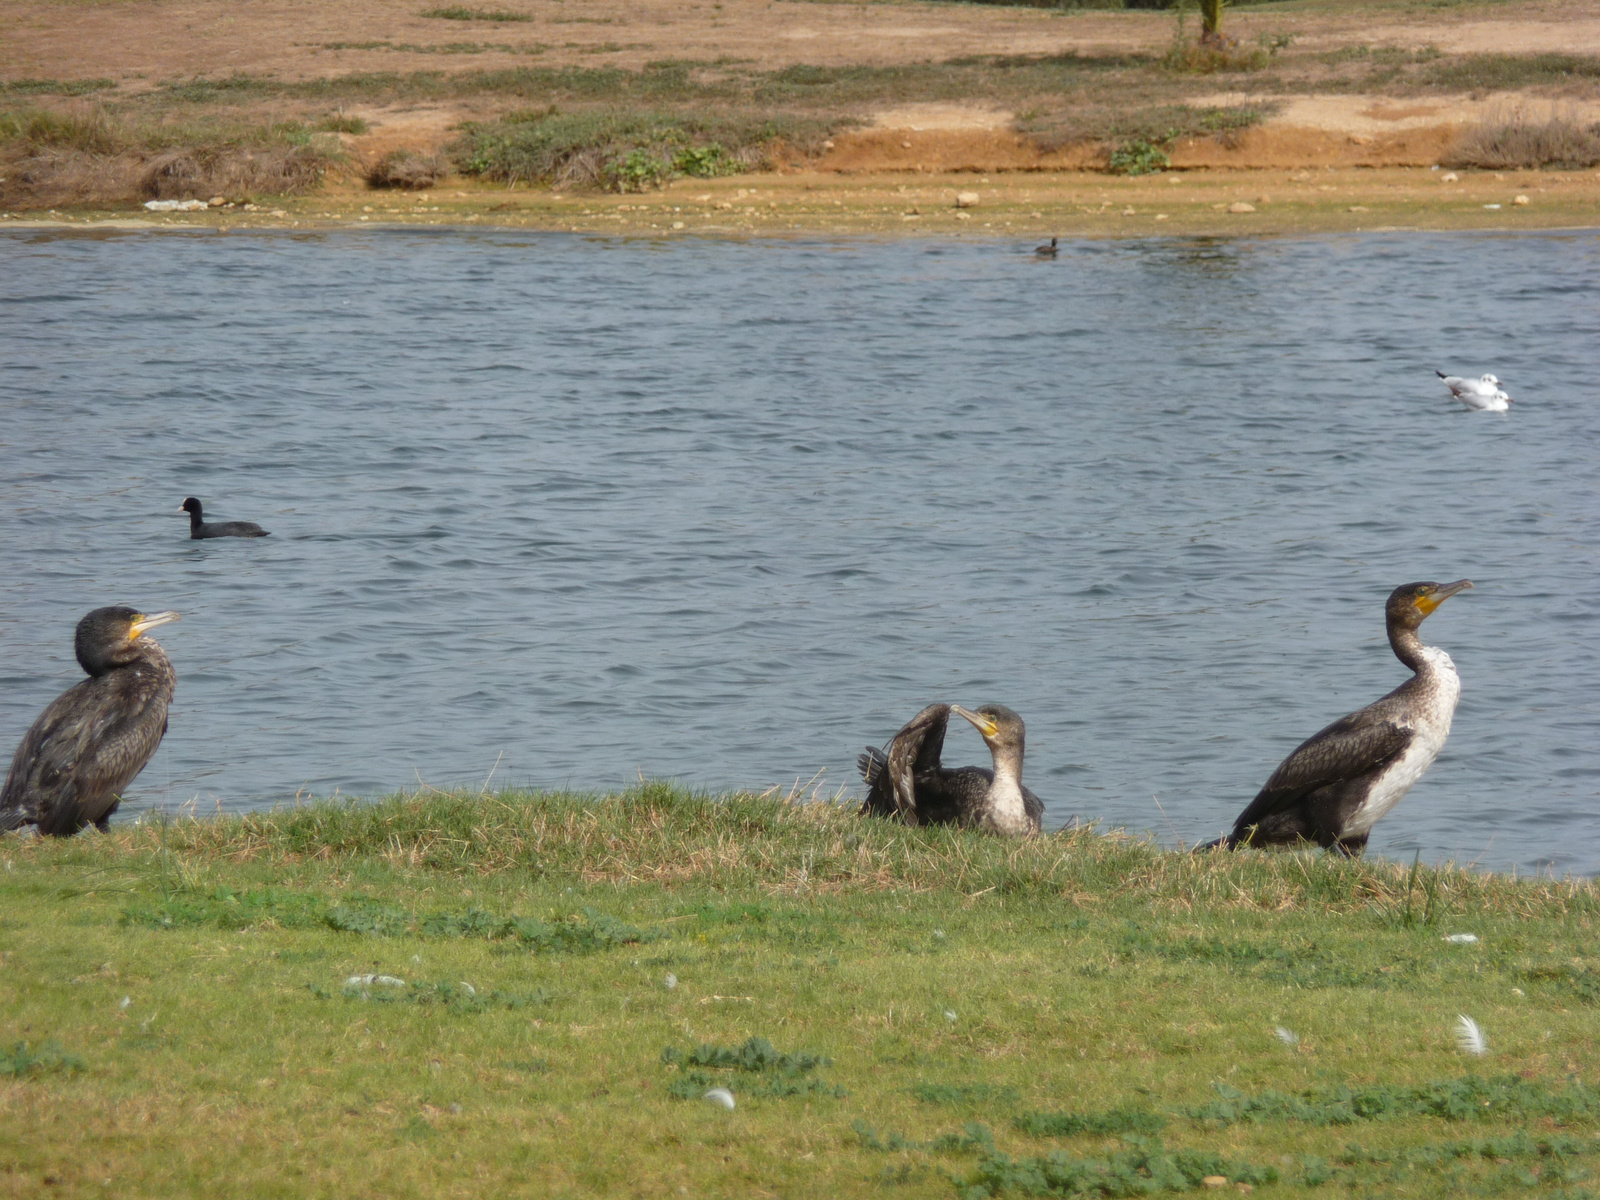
{"x":1139,"y":157}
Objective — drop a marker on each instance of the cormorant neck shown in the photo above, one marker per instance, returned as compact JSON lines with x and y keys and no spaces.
{"x":1408,"y":647}
{"x":1007,"y":764}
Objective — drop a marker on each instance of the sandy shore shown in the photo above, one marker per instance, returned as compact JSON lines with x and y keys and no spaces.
{"x":1021,"y":205}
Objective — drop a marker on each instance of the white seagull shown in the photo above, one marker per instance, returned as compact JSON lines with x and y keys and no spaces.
{"x":1484,"y":395}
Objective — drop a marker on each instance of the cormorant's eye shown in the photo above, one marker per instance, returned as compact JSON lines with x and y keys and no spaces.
{"x":1424,"y":590}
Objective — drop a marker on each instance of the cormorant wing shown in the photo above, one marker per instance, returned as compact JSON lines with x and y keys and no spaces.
{"x":915,"y":751}
{"x":1351,"y":746}
{"x":79,"y":755}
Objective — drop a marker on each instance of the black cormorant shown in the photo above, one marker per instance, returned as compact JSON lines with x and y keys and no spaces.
{"x":96,"y":736}
{"x":200,"y":528}
{"x":1338,"y":784}
{"x":1046,"y":251}
{"x":907,"y":780}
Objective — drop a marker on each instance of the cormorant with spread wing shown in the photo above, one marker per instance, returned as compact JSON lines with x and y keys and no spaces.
{"x":907,"y":780}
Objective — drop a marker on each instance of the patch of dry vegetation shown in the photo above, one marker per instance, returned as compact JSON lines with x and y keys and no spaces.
{"x":91,"y":156}
{"x":411,"y":170}
{"x":1520,"y":143}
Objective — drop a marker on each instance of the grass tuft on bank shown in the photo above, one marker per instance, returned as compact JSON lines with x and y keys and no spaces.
{"x":91,"y":155}
{"x":1521,"y":144}
{"x":536,"y":991}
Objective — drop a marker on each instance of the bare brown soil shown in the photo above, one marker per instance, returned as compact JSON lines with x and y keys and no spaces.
{"x":143,"y":44}
{"x":164,"y":39}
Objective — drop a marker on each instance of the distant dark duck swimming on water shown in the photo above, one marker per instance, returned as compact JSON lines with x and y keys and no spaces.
{"x":199,"y":528}
{"x":95,"y":737}
{"x":1046,"y":251}
{"x":908,"y":781}
{"x":1338,"y":784}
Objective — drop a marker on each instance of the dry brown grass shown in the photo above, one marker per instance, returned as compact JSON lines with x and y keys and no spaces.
{"x":1522,"y":143}
{"x":87,"y":156}
{"x":408,"y":169}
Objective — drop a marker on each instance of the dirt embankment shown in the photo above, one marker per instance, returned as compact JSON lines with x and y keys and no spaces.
{"x":1379,"y":85}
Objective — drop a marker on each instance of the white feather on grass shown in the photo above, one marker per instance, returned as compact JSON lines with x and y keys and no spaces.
{"x":1469,"y":1038}
{"x":720,"y":1096}
{"x":1287,"y":1036}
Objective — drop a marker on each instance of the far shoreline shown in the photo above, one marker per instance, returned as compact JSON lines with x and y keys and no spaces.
{"x":1080,"y":205}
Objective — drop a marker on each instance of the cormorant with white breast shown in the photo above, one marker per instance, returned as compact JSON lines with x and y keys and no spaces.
{"x":95,"y":737}
{"x":1336,"y":786}
{"x":907,"y":780}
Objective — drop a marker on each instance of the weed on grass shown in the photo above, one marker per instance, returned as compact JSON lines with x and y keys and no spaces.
{"x":1111,"y":1121}
{"x":759,"y":1068}
{"x":973,"y":1136}
{"x":56,"y":87}
{"x":1145,"y":1167}
{"x":585,"y":933}
{"x":964,"y":1094}
{"x":457,"y":13}
{"x":1467,"y":1099}
{"x":48,"y":1057}
{"x":457,"y":997}
{"x":224,"y":908}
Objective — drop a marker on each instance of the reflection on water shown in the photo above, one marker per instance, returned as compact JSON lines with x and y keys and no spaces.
{"x":727,"y":512}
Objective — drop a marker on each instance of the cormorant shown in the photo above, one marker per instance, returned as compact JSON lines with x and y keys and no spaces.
{"x":1338,"y":784}
{"x":199,"y":528}
{"x":1046,"y":251}
{"x":1482,"y":395}
{"x":97,"y":735}
{"x":908,"y":781}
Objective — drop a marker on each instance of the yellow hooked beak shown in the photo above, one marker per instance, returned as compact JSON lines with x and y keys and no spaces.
{"x":987,"y":726}
{"x":141,"y":623}
{"x":1426,"y":604}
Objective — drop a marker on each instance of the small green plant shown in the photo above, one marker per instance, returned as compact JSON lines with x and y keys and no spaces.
{"x":1116,"y":1120}
{"x":57,"y":87}
{"x":457,"y":997}
{"x":1139,"y":157}
{"x":965,"y":1093}
{"x":705,"y":162}
{"x":587,"y":932}
{"x":637,"y":170}
{"x":21,"y":1059}
{"x":762,"y":1070}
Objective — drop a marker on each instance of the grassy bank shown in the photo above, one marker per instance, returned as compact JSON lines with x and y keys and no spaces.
{"x":460,"y":994}
{"x":97,"y":142}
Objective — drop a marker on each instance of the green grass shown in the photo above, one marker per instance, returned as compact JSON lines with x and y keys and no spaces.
{"x":56,"y":87}
{"x":197,"y":1008}
{"x":627,"y":150}
{"x":457,"y":13}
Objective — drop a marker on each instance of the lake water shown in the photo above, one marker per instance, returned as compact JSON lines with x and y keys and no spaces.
{"x":571,"y":509}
